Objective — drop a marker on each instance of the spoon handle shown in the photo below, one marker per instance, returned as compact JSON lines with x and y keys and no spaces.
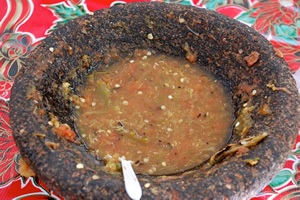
{"x":132,"y":185}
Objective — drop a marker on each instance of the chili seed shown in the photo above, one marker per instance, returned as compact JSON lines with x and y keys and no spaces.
{"x":82,"y":100}
{"x":146,"y":160}
{"x":169,"y":129}
{"x":150,"y":36}
{"x":79,"y":166}
{"x":95,"y":177}
{"x":228,"y":186}
{"x":66,"y":84}
{"x":181,"y":20}
{"x":163,"y":107}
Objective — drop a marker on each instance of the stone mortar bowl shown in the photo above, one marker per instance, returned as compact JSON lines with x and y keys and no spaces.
{"x":265,"y":98}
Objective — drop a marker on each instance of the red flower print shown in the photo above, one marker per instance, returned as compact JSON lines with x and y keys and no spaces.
{"x":231,"y":10}
{"x":5,"y":87}
{"x":269,"y":12}
{"x":291,"y":53}
{"x":27,"y":189}
{"x":94,"y":5}
{"x":292,"y":193}
{"x":8,"y":148}
{"x":13,"y":48}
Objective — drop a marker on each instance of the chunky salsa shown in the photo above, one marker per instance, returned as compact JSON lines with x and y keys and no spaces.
{"x":163,"y":113}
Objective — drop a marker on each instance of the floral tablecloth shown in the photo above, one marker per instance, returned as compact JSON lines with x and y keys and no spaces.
{"x":25,"y":23}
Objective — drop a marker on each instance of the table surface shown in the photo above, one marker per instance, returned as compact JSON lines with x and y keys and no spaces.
{"x":25,"y":23}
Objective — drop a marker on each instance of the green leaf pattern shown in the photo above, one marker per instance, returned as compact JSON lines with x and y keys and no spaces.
{"x":281,"y":178}
{"x":286,"y":33}
{"x":68,"y":12}
{"x":212,"y":5}
{"x":246,"y":18}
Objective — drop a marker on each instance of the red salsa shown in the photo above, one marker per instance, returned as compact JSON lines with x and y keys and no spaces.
{"x":163,"y":113}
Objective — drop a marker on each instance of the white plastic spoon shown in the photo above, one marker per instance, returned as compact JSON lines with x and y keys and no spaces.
{"x":132,"y":185}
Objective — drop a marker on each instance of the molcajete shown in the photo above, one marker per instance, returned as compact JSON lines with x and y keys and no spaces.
{"x":264,"y":94}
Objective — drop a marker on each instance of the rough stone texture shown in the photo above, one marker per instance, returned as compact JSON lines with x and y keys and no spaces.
{"x":221,"y":45}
